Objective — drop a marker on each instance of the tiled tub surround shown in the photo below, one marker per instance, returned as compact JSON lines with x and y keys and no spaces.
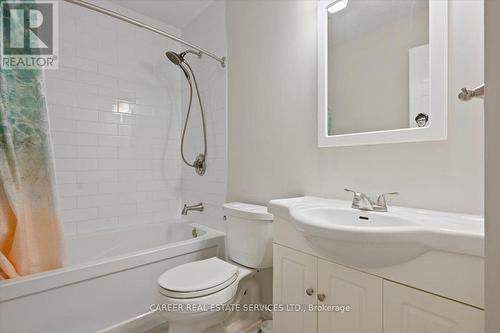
{"x":115,"y":115}
{"x":208,"y":29}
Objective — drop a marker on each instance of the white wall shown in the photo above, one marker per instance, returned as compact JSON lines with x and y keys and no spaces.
{"x":272,"y":92}
{"x":492,"y":117}
{"x":114,"y":170}
{"x":209,"y":31}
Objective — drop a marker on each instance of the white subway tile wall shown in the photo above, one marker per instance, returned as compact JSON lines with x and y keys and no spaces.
{"x":115,"y":116}
{"x":208,"y":30}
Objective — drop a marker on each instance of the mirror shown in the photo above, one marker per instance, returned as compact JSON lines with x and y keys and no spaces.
{"x":382,"y":71}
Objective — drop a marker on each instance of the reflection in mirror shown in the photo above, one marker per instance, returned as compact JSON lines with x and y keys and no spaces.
{"x":378,"y":65}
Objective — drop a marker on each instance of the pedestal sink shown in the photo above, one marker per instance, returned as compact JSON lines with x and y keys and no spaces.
{"x":376,"y":239}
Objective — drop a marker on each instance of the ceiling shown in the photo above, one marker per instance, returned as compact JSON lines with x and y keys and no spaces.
{"x":177,"y":13}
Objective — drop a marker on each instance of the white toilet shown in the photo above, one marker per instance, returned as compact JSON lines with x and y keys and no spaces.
{"x":201,"y":296}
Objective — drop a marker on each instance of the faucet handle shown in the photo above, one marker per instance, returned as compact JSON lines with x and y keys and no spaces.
{"x":355,"y":199}
{"x":381,"y":198}
{"x":356,"y":193}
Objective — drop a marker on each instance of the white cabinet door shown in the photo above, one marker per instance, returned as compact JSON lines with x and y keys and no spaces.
{"x":408,"y":310}
{"x":295,"y":277}
{"x":347,"y":287}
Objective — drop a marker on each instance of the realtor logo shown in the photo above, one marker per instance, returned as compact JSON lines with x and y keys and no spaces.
{"x":29,"y":34}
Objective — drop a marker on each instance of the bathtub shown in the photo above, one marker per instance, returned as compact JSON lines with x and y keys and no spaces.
{"x":109,"y":278}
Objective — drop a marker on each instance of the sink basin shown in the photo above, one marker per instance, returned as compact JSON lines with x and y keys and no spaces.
{"x":377,"y":239}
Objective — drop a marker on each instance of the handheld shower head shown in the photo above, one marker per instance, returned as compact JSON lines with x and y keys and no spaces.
{"x":175,"y":58}
{"x":178,"y":59}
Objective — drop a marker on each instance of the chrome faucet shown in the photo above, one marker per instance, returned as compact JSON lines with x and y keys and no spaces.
{"x":197,"y":208}
{"x":363,"y":202}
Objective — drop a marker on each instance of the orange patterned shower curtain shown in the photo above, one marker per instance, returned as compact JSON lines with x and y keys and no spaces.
{"x":30,"y":233}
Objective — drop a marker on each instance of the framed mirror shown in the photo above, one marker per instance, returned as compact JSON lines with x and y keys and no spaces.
{"x":382,"y":71}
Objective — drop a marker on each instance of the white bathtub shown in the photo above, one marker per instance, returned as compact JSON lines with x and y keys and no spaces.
{"x":110,"y":277}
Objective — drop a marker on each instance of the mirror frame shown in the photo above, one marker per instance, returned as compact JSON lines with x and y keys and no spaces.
{"x":438,"y":86}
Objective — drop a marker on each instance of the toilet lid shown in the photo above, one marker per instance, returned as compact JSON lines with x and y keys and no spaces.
{"x":194,"y":278}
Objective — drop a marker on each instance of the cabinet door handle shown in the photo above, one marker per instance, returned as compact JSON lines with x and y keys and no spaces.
{"x":321,"y":297}
{"x":309,"y":291}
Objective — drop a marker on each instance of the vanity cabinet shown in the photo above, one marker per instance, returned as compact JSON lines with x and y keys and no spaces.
{"x":344,"y":287}
{"x":295,"y":276}
{"x":376,"y":305}
{"x":408,"y":310}
{"x":304,"y":279}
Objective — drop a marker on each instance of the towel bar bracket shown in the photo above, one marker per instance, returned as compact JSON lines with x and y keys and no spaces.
{"x":466,"y":94}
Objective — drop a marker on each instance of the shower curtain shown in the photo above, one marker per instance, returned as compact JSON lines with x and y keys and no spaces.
{"x":30,"y":232}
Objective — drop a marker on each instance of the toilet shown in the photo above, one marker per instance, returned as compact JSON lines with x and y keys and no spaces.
{"x":204,"y":296}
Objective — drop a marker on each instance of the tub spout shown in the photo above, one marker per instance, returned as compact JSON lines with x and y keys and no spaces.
{"x":186,"y":209}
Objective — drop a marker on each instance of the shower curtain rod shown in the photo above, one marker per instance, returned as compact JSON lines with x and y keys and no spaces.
{"x":116,"y":15}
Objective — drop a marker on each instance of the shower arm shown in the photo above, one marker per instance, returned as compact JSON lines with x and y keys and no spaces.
{"x":198,"y":53}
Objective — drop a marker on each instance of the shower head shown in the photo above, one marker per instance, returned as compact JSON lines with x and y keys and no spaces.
{"x":178,"y":59}
{"x":175,"y":58}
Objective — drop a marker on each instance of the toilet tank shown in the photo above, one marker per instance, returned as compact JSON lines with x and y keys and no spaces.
{"x":249,"y":231}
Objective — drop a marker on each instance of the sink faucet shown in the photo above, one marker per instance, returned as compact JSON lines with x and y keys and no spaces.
{"x":363,"y":202}
{"x":186,"y":209}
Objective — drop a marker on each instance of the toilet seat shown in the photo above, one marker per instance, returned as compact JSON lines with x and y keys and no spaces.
{"x":198,"y":293}
{"x":198,"y":278}
{"x":202,"y":283}
{"x":203,"y":303}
